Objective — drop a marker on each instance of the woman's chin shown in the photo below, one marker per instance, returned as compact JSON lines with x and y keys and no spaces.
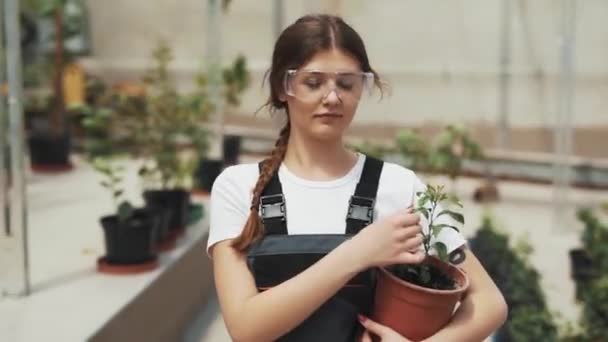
{"x":327,"y":132}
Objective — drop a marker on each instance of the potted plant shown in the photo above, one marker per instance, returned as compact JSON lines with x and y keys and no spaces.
{"x":129,"y":233}
{"x":450,"y":149}
{"x":529,"y":316}
{"x":169,"y":132}
{"x":413,"y":149}
{"x":591,"y":261}
{"x":49,"y":139}
{"x":106,"y":137}
{"x":418,"y":300}
{"x":235,"y":79}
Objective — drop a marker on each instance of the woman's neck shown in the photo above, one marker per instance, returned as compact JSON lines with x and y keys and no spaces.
{"x":318,"y":160}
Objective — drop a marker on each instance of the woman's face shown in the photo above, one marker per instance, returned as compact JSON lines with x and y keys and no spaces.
{"x":323,"y":94}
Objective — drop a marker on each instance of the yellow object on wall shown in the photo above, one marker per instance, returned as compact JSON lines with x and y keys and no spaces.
{"x":73,"y":85}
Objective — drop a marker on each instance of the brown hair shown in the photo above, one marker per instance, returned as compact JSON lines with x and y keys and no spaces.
{"x":295,"y":46}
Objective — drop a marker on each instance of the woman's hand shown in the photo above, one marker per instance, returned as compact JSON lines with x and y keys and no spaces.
{"x":385,"y":333}
{"x":395,"y":239}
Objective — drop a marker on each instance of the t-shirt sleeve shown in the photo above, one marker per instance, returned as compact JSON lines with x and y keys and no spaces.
{"x":229,"y":207}
{"x":450,"y":237}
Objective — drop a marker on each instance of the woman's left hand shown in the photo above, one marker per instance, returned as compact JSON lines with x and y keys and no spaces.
{"x":385,"y":333}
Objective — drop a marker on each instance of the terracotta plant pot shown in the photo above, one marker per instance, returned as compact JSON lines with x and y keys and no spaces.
{"x":414,"y":311}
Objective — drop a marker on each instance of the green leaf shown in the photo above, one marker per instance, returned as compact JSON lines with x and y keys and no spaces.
{"x":423,"y":200}
{"x":424,"y":212}
{"x":456,"y":216}
{"x":437,"y":228}
{"x":455,"y":200}
{"x":442,"y":251}
{"x":125,"y":210}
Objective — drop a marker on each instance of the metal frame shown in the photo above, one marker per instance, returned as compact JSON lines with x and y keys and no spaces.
{"x":13,"y":238}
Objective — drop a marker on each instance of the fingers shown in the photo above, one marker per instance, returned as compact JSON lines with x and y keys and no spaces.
{"x":366,"y":337}
{"x":373,"y":327}
{"x":412,"y":245}
{"x":410,"y":233}
{"x":405,"y":219}
{"x":412,"y":257}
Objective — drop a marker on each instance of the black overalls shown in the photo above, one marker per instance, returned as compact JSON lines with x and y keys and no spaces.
{"x":278,"y":257}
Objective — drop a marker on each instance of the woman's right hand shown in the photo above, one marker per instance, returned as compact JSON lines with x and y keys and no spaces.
{"x":395,"y":239}
{"x":384,"y":333}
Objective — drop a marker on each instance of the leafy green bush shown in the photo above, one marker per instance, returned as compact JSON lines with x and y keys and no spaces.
{"x":529,"y":317}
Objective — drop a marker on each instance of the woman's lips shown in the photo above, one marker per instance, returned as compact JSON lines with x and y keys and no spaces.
{"x":328,"y":115}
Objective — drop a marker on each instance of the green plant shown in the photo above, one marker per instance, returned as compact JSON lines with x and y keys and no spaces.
{"x":445,"y":154}
{"x":428,"y":203}
{"x":370,"y":149}
{"x":411,"y":146}
{"x":170,"y":123}
{"x":592,"y":289}
{"x":452,"y":146}
{"x":595,"y":310}
{"x":595,"y":239}
{"x":170,"y":128}
{"x":65,"y":25}
{"x":236,"y":79}
{"x":112,"y":182}
{"x":529,"y":317}
{"x":106,"y":130}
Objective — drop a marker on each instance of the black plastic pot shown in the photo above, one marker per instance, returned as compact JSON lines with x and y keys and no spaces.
{"x":582,"y":271}
{"x":175,"y":201}
{"x":581,"y":265}
{"x":163,"y":216}
{"x":49,"y":152}
{"x":132,"y":241}
{"x":232,"y":149}
{"x":207,"y":172}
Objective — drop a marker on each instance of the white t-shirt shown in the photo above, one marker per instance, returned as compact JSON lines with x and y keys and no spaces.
{"x":313,"y":207}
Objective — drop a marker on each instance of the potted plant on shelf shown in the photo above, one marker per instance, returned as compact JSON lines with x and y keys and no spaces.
{"x":235,"y":79}
{"x":49,"y":138}
{"x":418,"y":300}
{"x":450,"y":149}
{"x":129,"y":233}
{"x":169,"y":132}
{"x":413,"y":149}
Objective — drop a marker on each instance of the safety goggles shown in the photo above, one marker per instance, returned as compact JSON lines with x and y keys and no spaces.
{"x":314,"y":85}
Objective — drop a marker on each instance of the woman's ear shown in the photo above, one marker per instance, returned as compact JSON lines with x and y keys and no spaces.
{"x":283,"y":97}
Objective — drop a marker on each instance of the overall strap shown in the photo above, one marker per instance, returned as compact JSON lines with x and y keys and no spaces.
{"x":272,"y":206}
{"x":361,"y":204}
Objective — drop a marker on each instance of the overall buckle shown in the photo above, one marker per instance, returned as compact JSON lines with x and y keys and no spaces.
{"x":361,"y":208}
{"x":272,"y":206}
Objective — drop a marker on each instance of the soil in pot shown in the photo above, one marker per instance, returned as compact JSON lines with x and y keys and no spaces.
{"x":132,"y":241}
{"x":425,"y":275}
{"x":414,"y":311}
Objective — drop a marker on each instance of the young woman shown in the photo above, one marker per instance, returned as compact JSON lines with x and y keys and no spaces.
{"x":319,"y":72}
